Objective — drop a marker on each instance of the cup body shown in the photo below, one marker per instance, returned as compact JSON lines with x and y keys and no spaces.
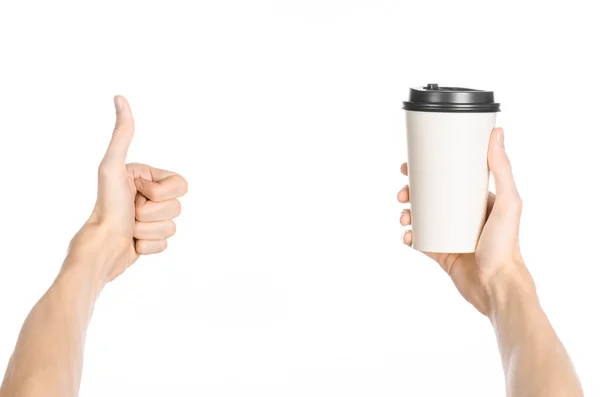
{"x":448,"y":177}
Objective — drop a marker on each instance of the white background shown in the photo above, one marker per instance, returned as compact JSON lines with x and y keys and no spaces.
{"x":287,"y":276}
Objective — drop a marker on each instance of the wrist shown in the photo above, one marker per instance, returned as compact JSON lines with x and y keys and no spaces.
{"x":511,"y":284}
{"x":94,"y":251}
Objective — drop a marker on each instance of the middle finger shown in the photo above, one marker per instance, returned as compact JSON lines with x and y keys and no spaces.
{"x":158,"y":211}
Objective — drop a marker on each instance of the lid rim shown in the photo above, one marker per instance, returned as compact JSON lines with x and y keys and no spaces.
{"x":436,"y":98}
{"x":452,"y":107}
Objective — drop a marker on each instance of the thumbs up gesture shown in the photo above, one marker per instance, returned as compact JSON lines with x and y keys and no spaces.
{"x":136,"y":203}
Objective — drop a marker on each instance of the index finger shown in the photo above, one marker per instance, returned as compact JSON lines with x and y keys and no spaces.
{"x":171,"y":187}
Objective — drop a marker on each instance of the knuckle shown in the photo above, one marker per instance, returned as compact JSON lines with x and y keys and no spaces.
{"x":519,"y":200}
{"x":140,"y":213}
{"x":171,"y":229}
{"x":177,"y":208}
{"x":509,"y":204}
{"x":516,"y":203}
{"x":159,"y":246}
{"x":104,"y":169}
{"x":184,"y":186}
{"x":162,"y":245}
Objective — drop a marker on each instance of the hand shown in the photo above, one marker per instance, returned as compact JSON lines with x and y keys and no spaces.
{"x":498,"y":247}
{"x":136,"y":203}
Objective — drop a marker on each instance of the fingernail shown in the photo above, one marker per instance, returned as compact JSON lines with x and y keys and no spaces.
{"x":500,"y":137}
{"x":139,"y":185}
{"x":404,"y":234}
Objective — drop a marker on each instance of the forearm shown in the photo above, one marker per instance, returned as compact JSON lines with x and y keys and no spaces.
{"x":48,"y":356}
{"x":534,"y":360}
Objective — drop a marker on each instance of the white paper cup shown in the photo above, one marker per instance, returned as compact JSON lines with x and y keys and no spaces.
{"x":448,"y":133}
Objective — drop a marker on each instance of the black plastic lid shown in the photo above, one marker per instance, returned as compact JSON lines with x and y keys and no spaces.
{"x":433,"y":98}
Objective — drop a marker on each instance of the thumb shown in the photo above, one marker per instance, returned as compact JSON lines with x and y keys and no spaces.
{"x":508,"y":200}
{"x":122,"y":134}
{"x":500,"y":165}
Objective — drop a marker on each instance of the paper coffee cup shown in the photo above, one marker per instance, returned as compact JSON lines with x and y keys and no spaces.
{"x":448,"y":132}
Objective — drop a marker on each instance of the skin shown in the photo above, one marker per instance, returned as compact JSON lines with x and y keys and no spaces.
{"x":497,"y":283}
{"x":133,"y":216}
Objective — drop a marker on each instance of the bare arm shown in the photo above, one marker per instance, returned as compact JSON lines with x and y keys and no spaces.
{"x":133,"y":216}
{"x":497,"y":283}
{"x":534,"y":360}
{"x":48,"y":357}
